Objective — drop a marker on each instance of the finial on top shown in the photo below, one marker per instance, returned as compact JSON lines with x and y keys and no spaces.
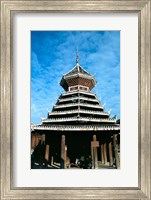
{"x":77,"y":56}
{"x":77,"y":59}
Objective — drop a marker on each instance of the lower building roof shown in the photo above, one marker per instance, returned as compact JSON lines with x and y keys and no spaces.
{"x":77,"y":127}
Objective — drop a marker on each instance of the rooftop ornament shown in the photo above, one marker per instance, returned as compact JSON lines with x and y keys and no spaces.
{"x":77,"y":76}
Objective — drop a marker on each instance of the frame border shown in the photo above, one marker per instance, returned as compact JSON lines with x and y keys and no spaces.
{"x":8,"y":9}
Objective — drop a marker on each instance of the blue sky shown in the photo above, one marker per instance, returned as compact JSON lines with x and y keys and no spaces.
{"x":53,"y":53}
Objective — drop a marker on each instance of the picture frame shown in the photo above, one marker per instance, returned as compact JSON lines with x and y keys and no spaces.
{"x":8,"y":9}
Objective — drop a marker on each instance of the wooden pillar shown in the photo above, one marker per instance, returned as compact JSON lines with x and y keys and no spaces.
{"x":52,"y":160}
{"x":110,"y":154}
{"x":63,"y":152}
{"x":105,"y":155}
{"x":116,"y":151}
{"x":102,"y":154}
{"x":47,"y":153}
{"x":37,"y":140}
{"x":67,"y":163}
{"x":43,"y":139}
{"x":95,"y":154}
{"x":33,"y":141}
{"x":92,"y":155}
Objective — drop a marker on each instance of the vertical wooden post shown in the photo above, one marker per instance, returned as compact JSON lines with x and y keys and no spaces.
{"x":102,"y":154}
{"x":105,"y":156}
{"x":116,"y":151}
{"x":37,"y":140}
{"x":110,"y":154}
{"x":92,"y":155}
{"x":66,"y":156}
{"x":95,"y":154}
{"x":63,"y":152}
{"x":33,"y":141}
{"x":43,"y":139}
{"x":52,"y":160}
{"x":47,"y":153}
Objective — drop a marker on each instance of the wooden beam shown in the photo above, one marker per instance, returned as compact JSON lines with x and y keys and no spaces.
{"x":117,"y":161}
{"x":95,"y":154}
{"x":110,"y":154}
{"x":92,"y":155}
{"x":47,"y":153}
{"x":33,"y":142}
{"x":102,"y":154}
{"x":43,"y":139}
{"x":105,"y":155}
{"x":63,"y":152}
{"x":37,"y":140}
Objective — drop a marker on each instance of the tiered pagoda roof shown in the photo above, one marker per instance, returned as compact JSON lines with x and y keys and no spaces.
{"x":78,"y":108}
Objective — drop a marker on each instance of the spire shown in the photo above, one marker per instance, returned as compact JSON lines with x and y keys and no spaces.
{"x":77,"y":59}
{"x":77,"y":56}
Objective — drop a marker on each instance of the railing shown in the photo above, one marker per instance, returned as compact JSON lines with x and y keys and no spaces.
{"x":78,"y":87}
{"x":80,"y":97}
{"x":78,"y":111}
{"x":78,"y":104}
{"x":75,"y":92}
{"x":65,"y":119}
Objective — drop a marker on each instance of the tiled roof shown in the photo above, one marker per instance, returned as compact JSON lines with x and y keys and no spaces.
{"x":78,"y":127}
{"x":77,"y":69}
